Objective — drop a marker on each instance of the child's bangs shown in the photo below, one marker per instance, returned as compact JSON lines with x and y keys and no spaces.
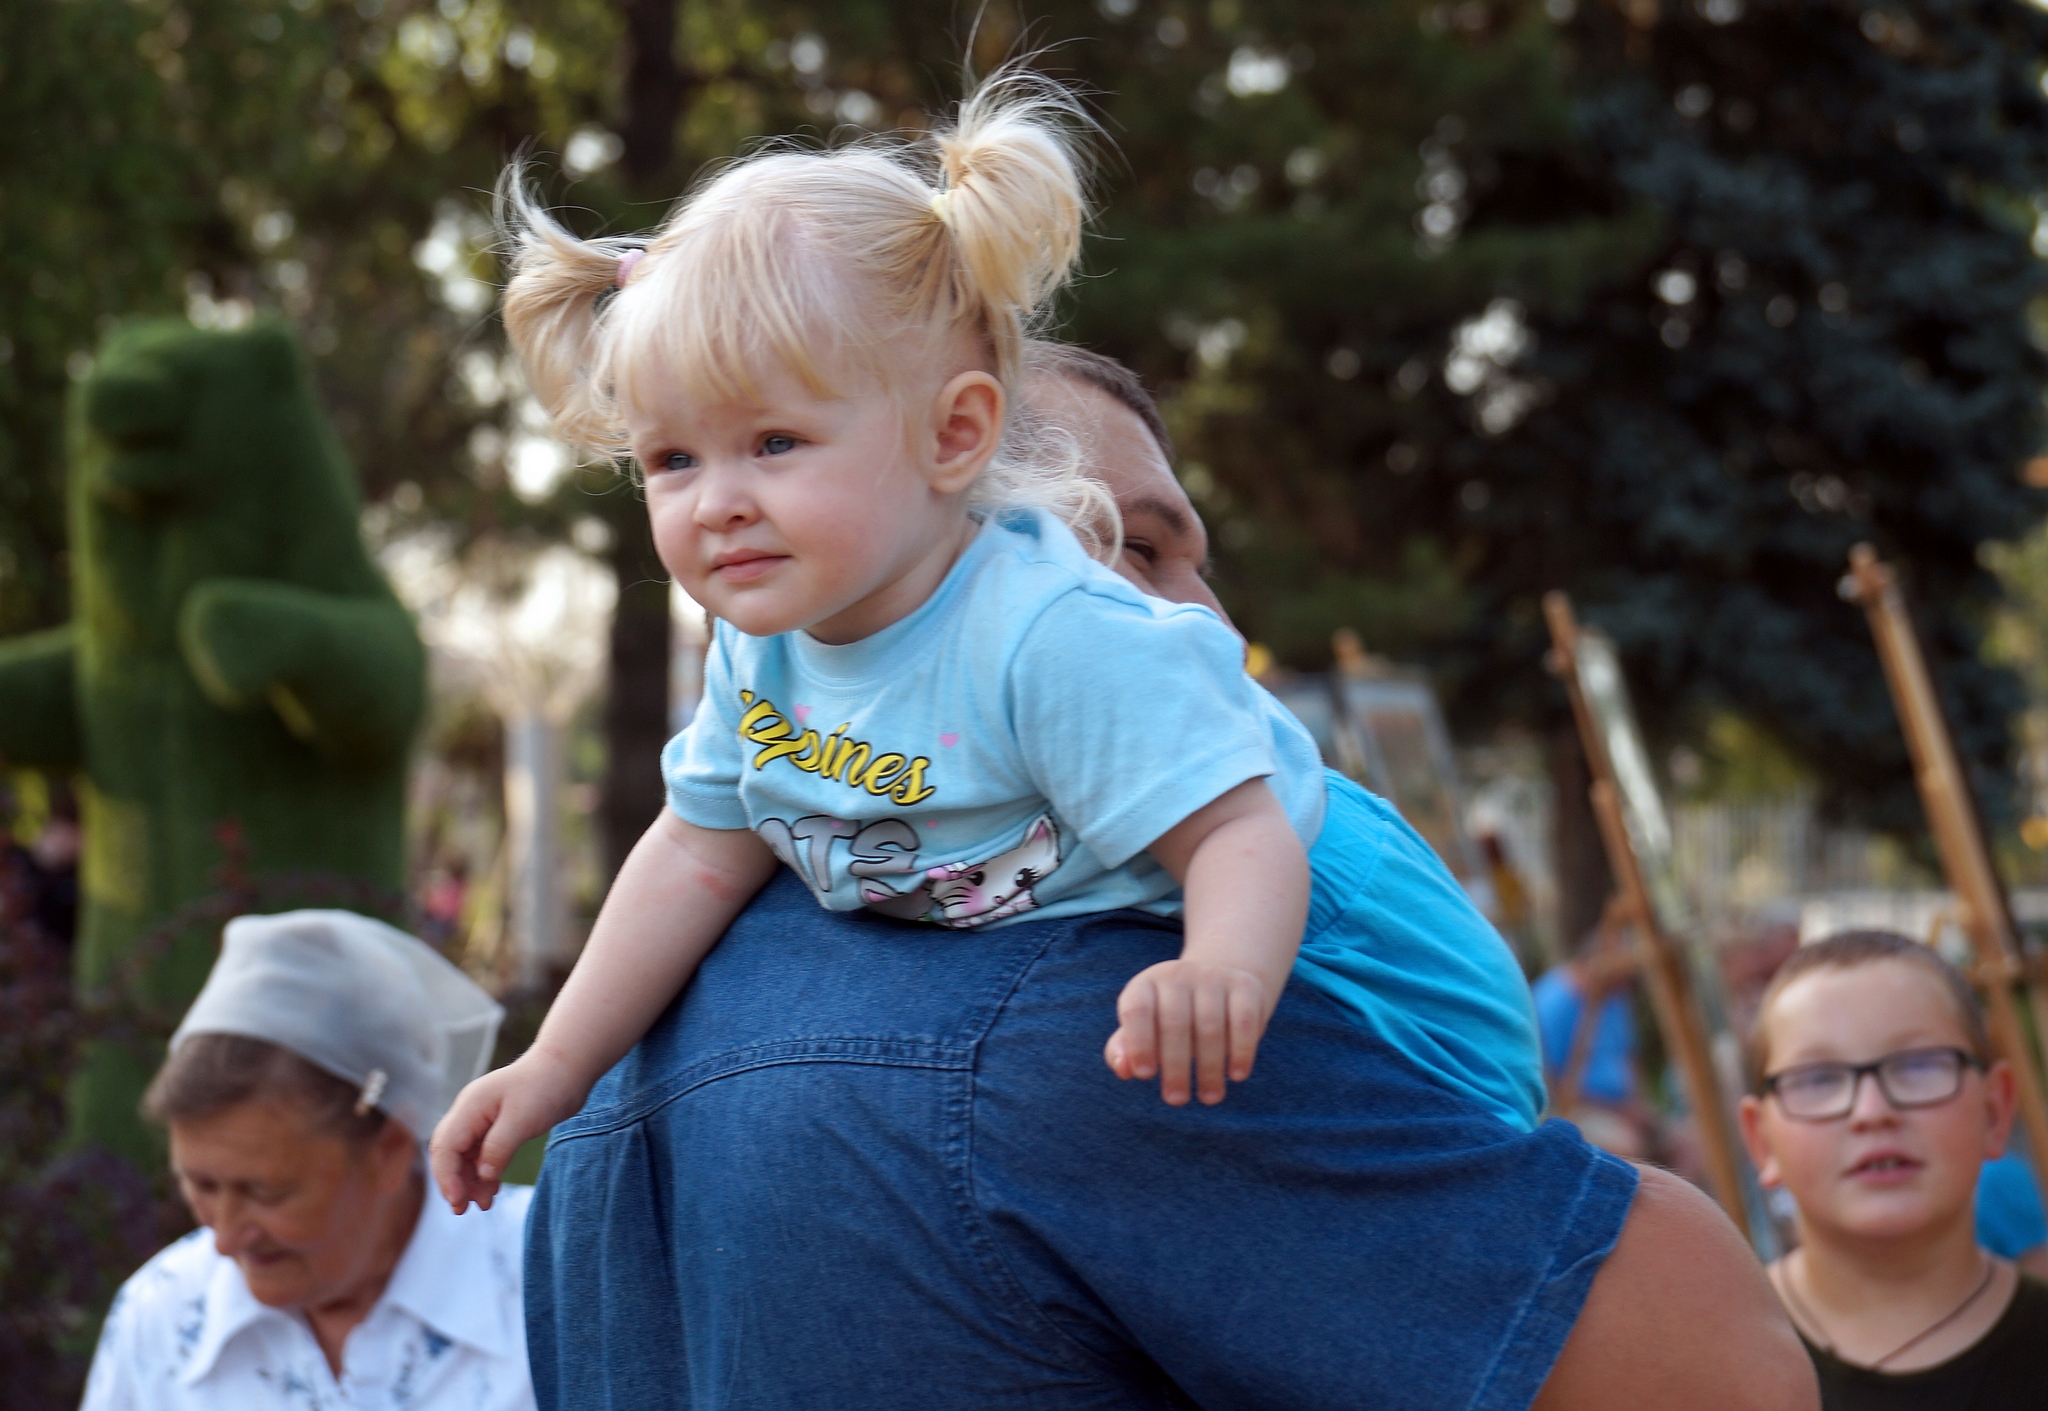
{"x":726,"y":307}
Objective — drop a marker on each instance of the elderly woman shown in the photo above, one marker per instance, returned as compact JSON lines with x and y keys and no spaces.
{"x":323,"y":1048}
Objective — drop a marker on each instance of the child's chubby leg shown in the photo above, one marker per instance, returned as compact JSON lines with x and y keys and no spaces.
{"x":1245,"y":881}
{"x":679,"y":889}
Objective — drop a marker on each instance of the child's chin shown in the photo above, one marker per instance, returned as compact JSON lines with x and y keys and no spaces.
{"x":757,"y":620}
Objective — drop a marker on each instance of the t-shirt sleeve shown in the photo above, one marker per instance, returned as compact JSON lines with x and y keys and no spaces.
{"x":701,"y":766}
{"x":1130,"y":717}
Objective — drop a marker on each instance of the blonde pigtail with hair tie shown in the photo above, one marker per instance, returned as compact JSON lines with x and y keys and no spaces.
{"x":942,"y":207}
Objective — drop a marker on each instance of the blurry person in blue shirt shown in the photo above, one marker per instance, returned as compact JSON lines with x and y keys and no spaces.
{"x":2010,"y":1222}
{"x":1590,"y":1062}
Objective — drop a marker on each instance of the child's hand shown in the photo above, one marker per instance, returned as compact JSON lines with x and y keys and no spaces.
{"x":491,"y":1118}
{"x":1180,"y":1011}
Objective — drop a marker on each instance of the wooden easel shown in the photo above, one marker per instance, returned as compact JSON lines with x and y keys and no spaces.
{"x":1958,"y":838}
{"x":1657,"y":956}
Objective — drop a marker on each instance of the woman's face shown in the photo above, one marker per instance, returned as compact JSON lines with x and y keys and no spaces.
{"x":1880,"y":1172}
{"x":303,"y":1214}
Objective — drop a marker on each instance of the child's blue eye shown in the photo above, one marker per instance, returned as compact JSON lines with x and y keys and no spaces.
{"x":678,"y":460}
{"x":778,"y":445}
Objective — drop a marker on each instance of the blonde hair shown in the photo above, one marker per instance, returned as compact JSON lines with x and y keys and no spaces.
{"x":824,"y":260}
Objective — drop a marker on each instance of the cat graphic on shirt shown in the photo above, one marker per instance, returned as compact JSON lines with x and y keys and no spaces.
{"x":976,"y":893}
{"x":968,"y":894}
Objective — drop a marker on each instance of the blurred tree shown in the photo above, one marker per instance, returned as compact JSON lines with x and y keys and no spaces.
{"x":1663,"y":303}
{"x":1294,"y":233}
{"x":318,"y":159}
{"x":1410,"y":276}
{"x":95,"y":210}
{"x":1831,"y":344}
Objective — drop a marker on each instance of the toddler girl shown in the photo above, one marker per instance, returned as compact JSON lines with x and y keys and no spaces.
{"x":814,"y":365}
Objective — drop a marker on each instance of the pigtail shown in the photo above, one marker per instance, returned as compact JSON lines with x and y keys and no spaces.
{"x":1012,"y":196}
{"x":1013,"y":200}
{"x":551,"y":311}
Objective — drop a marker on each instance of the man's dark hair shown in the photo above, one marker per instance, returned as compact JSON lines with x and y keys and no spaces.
{"x":1845,"y":950}
{"x":1104,"y":374}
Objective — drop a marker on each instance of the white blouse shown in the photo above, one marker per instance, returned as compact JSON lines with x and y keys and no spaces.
{"x":185,"y":1333}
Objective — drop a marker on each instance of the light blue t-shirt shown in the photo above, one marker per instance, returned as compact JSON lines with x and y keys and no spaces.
{"x":1010,"y":748}
{"x":1394,"y":938}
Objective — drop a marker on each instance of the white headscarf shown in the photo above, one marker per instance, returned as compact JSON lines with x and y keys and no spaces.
{"x":360,"y":999}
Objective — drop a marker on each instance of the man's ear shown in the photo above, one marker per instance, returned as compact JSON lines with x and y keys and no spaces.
{"x":967,"y":422}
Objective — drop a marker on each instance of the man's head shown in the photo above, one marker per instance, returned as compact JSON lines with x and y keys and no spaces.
{"x":1124,"y":443}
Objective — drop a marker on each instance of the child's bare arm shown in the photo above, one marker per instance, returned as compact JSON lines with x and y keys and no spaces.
{"x":1245,"y":878}
{"x":679,"y":889}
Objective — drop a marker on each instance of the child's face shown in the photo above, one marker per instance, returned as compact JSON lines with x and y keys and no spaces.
{"x":791,"y":511}
{"x":1880,"y":1172}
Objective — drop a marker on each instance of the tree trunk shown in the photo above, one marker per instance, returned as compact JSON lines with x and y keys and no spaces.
{"x":1583,"y":881}
{"x":655,"y":92}
{"x":636,"y":712}
{"x":636,"y":699}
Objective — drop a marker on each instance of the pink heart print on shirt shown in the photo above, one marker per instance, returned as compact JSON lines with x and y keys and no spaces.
{"x":950,"y":738}
{"x":803,"y":715}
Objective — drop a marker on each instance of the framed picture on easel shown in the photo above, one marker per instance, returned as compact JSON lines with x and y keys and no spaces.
{"x":1683,"y":981}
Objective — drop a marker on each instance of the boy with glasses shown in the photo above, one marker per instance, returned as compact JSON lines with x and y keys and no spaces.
{"x":1879,"y":1102}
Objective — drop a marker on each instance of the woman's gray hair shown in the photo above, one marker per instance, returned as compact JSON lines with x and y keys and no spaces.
{"x":210,"y":1073}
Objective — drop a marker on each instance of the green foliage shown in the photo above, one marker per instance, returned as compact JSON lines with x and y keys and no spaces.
{"x":1291,"y":248}
{"x":1667,"y":306}
{"x":1831,"y":345}
{"x":95,"y":198}
{"x":243,"y":687}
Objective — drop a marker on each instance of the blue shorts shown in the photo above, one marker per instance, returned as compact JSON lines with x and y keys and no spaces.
{"x":864,"y":1164}
{"x":1392,"y":937}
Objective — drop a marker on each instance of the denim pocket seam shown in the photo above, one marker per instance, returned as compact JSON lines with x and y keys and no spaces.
{"x":884,"y":1053}
{"x":980,"y":1235}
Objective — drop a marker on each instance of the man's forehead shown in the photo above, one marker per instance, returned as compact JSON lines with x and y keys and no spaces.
{"x":1177,"y":517}
{"x":1133,"y":462}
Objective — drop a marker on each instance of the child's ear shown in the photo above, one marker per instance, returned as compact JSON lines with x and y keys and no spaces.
{"x":967,"y":419}
{"x":2001,"y":1101}
{"x":1749,"y":1114}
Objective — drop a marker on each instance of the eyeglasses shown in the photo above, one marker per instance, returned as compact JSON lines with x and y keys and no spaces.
{"x":1914,"y":1077}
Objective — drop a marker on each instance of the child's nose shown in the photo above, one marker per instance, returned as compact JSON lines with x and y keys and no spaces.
{"x":1869,"y":1102}
{"x":724,"y":499}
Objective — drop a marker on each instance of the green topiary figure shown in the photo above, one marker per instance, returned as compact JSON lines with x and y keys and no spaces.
{"x":238,"y":687}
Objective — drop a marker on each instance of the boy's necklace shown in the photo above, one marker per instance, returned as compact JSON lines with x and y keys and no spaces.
{"x":1827,"y":1344}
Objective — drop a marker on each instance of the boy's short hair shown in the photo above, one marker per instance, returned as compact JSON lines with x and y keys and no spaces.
{"x":1846,"y":950}
{"x":1105,"y":375}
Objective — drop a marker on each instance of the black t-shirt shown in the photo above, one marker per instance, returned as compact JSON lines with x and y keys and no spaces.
{"x":2006,"y":1371}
